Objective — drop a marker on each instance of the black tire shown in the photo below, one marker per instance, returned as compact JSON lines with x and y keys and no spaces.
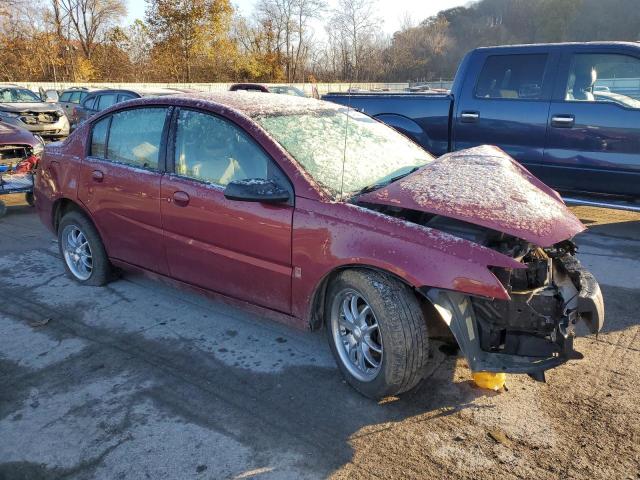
{"x":30,"y":199}
{"x":401,"y":323}
{"x":3,"y":209}
{"x":101,"y":271}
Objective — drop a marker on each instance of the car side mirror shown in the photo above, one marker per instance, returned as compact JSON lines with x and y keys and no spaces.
{"x":256,"y":190}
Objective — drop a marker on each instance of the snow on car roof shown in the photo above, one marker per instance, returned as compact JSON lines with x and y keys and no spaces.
{"x":256,"y":104}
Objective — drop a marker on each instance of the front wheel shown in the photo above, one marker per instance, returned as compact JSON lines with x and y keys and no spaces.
{"x":377,"y":332}
{"x":82,"y":250}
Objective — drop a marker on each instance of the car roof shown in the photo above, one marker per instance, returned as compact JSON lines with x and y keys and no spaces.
{"x":560,"y":45}
{"x":254,"y":104}
{"x":139,"y":92}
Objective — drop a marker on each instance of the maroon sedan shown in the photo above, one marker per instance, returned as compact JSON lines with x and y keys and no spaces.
{"x":327,"y":216}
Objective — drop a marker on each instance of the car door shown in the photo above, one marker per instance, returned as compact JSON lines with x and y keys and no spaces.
{"x":593,"y":143}
{"x":120,"y":184}
{"x":507,"y":103}
{"x":240,"y":249}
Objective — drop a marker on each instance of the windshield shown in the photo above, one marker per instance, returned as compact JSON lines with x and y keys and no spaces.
{"x":18,"y":95}
{"x":330,"y":142}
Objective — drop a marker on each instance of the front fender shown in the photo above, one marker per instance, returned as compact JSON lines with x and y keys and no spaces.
{"x":344,"y":235}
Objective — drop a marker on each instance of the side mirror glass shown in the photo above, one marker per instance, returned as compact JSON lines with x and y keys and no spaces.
{"x":256,"y":190}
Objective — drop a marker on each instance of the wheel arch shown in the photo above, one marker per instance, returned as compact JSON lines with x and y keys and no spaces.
{"x":317,"y":306}
{"x":64,"y":205}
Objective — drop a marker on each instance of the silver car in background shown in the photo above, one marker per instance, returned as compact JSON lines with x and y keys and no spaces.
{"x":21,"y":107}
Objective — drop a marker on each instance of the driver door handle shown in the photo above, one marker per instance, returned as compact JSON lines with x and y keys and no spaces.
{"x":469,"y":116}
{"x":97,"y":176}
{"x":181,"y":199}
{"x":563,"y":121}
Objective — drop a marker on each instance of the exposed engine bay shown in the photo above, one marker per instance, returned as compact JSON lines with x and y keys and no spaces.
{"x":533,"y":331}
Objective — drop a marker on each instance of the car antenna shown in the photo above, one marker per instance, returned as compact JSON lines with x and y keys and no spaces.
{"x":346,"y":133}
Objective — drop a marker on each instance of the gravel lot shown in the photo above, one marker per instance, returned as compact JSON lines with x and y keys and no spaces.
{"x":143,"y":380}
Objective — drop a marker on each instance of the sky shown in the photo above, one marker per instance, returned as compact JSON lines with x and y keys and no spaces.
{"x":392,"y":11}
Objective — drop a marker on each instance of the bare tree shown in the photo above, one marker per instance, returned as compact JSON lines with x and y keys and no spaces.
{"x":289,"y":21}
{"x":90,"y":20}
{"x":354,"y":29}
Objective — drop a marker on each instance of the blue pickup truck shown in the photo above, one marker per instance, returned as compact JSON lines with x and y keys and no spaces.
{"x":569,"y":112}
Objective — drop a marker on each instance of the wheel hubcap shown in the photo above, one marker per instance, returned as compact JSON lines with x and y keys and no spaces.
{"x":356,"y":335}
{"x":77,"y":252}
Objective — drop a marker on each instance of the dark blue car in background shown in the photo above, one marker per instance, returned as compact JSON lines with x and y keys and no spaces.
{"x":569,"y":112}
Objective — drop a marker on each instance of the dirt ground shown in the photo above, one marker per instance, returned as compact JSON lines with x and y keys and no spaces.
{"x":143,"y":380}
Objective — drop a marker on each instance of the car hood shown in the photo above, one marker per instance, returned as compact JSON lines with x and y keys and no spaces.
{"x":484,"y":186}
{"x":28,"y":107}
{"x":11,"y":135}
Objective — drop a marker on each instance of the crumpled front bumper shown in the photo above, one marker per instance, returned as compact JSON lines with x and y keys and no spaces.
{"x":532,"y":332}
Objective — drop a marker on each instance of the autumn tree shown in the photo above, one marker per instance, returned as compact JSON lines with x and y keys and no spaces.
{"x":188,"y":33}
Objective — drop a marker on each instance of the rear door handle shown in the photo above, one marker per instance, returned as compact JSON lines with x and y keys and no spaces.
{"x":181,"y":199}
{"x":469,"y":117}
{"x":97,"y":176}
{"x":563,"y":121}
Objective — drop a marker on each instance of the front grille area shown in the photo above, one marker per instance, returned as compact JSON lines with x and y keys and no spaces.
{"x":12,"y":154}
{"x":39,"y":118}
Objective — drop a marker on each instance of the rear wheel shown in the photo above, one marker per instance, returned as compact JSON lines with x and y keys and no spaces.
{"x":30,"y":199}
{"x":82,"y":250}
{"x":377,"y":332}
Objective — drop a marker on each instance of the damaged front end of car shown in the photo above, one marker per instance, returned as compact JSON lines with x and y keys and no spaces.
{"x":534,"y":330}
{"x":483,"y":196}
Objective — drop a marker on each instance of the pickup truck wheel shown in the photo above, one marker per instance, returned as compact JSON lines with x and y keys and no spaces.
{"x":82,"y":250}
{"x":377,"y":332}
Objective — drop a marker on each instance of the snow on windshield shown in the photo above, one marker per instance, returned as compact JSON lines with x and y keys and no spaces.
{"x":330,"y":142}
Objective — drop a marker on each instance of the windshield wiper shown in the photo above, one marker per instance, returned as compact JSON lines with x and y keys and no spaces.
{"x":376,"y":186}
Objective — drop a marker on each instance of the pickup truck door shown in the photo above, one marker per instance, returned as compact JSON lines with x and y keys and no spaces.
{"x":504,"y":101}
{"x":593,"y":140}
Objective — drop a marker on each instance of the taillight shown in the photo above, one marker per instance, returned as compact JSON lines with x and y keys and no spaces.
{"x":74,"y":114}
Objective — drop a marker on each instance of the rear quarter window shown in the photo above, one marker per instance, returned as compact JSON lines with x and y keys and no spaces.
{"x":88,"y":103}
{"x":99,"y":138}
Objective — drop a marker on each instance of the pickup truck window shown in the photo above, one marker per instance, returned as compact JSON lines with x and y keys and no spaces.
{"x":512,"y":76}
{"x":604,"y":77}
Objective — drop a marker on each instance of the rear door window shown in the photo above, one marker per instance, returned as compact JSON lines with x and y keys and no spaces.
{"x":106,"y":100}
{"x":125,"y":96}
{"x":135,"y":136}
{"x":75,"y":97}
{"x":516,"y":77}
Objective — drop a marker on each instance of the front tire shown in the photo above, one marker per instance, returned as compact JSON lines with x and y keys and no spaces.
{"x":82,"y":250}
{"x":377,"y":332}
